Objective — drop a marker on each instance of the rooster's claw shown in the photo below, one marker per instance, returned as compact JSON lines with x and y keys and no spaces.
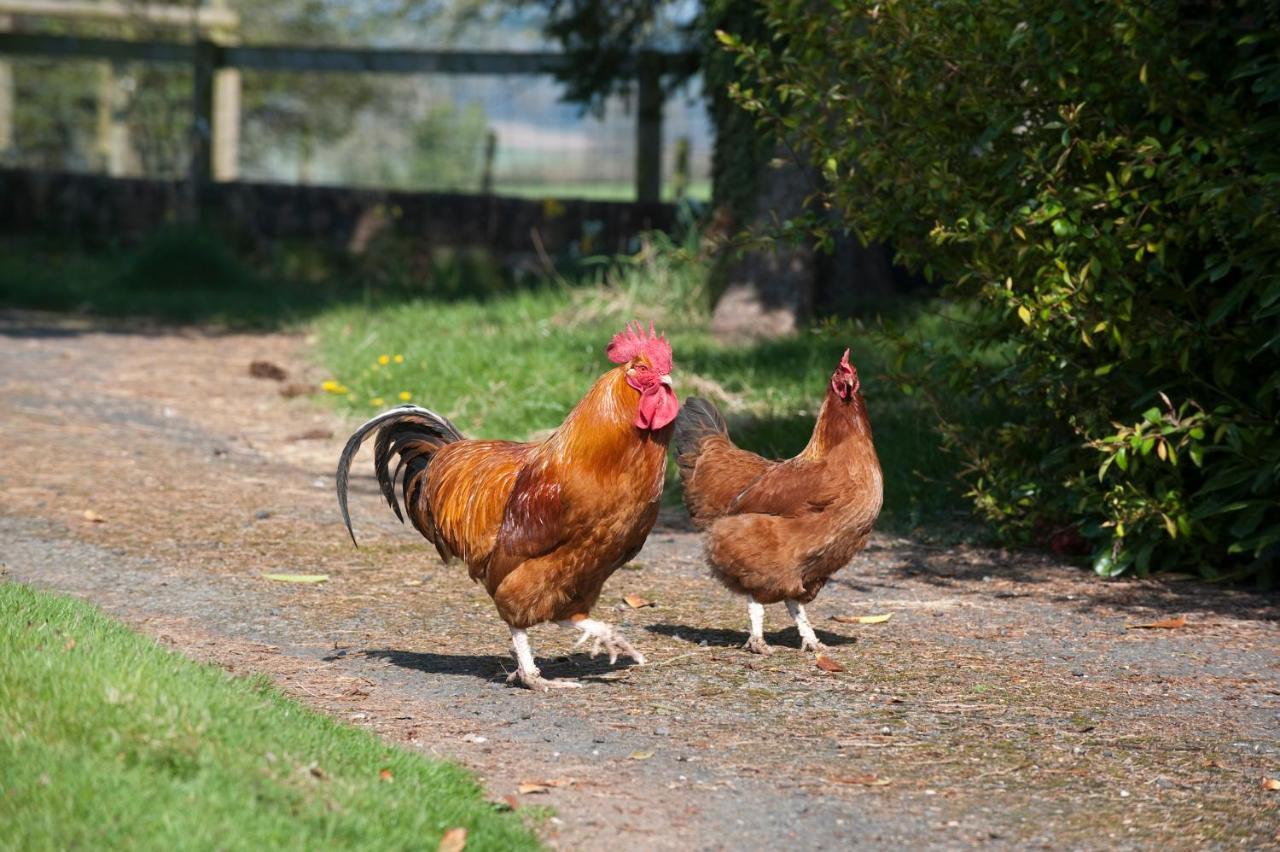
{"x":757,"y":645}
{"x":535,"y":681}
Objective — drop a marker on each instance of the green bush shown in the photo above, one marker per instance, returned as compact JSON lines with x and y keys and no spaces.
{"x":1098,"y":181}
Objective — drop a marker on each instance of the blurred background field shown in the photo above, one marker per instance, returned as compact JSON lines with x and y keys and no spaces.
{"x":510,"y":133}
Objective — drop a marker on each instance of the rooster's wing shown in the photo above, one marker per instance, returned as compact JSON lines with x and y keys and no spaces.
{"x":532,"y":522}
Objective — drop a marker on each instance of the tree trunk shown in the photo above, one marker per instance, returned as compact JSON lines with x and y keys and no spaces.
{"x":769,"y":292}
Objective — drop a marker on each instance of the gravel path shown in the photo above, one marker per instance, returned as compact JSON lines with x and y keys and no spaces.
{"x":1005,"y":704}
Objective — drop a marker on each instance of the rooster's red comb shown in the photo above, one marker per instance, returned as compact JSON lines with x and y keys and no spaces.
{"x":633,"y":341}
{"x":845,"y":366}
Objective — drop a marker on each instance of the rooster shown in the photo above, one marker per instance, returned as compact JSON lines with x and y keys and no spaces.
{"x":541,"y":525}
{"x":777,"y":531}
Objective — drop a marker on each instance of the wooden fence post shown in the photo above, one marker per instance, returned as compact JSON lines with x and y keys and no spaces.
{"x":6,"y":97}
{"x":490,"y":152}
{"x":204,"y":64}
{"x":680,"y":170}
{"x":648,"y":128}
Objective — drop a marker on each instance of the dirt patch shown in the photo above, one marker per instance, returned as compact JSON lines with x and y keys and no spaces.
{"x":1003,"y":704}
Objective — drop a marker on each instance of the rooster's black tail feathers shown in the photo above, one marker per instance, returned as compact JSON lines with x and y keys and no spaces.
{"x":412,"y":433}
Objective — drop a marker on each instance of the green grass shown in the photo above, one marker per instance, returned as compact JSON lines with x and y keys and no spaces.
{"x":512,"y":366}
{"x":108,"y":741}
{"x":698,"y":190}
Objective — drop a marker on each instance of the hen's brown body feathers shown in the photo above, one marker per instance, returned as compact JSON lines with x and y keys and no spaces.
{"x":777,"y":530}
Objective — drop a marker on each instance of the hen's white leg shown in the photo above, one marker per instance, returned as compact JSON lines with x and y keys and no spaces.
{"x":755,"y":642}
{"x":808,"y":639}
{"x":603,"y":637}
{"x":526,"y":672}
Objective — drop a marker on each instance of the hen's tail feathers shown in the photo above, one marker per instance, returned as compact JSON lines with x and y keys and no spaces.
{"x":697,"y":419}
{"x":411,"y":432}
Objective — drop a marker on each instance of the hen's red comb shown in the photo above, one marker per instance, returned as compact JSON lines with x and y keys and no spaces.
{"x":633,"y":341}
{"x":845,"y":366}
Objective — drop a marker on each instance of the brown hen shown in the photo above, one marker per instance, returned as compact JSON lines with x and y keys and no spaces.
{"x":778,"y":530}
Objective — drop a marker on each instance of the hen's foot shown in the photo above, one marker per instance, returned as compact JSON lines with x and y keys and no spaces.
{"x":813,"y":646}
{"x":757,"y":645}
{"x":535,"y":681}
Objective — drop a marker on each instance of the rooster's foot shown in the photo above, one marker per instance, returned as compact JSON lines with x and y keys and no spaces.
{"x":757,"y":645}
{"x":605,"y":637}
{"x":813,"y":646}
{"x":535,"y":681}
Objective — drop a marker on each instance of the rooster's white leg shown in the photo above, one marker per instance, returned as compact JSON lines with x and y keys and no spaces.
{"x":603,"y":637}
{"x":526,"y":672}
{"x":808,"y":639}
{"x":755,"y":642}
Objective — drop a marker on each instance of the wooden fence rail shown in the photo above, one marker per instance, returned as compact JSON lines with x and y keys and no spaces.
{"x":207,"y":57}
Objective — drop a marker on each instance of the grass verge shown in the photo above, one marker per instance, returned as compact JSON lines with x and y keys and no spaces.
{"x":108,"y":741}
{"x":513,"y":365}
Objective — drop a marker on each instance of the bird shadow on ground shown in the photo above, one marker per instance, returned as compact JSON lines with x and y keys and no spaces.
{"x":720,"y":638}
{"x":494,"y":668}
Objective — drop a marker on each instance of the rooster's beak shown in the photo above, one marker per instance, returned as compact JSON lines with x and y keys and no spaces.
{"x":666,"y":380}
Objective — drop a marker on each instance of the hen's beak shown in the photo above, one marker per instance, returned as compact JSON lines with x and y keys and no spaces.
{"x":666,"y":380}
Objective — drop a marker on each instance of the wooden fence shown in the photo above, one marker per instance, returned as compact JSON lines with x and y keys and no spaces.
{"x":207,"y":58}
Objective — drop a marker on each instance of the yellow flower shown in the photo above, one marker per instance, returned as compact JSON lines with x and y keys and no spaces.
{"x":384,"y":359}
{"x":399,"y":359}
{"x":331,"y":386}
{"x":376,"y":401}
{"x":552,"y":209}
{"x":405,"y":396}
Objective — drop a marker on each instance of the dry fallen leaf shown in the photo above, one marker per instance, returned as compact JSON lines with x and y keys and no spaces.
{"x":385,"y":775}
{"x":828,"y":665}
{"x":297,"y":578}
{"x":93,"y":517}
{"x":636,"y":602}
{"x":868,"y":780}
{"x":267,"y":370}
{"x":1271,"y":783}
{"x":640,"y":755}
{"x":527,"y":787}
{"x":454,"y":840}
{"x":862,"y":619}
{"x":616,"y":674}
{"x":296,"y":389}
{"x":1162,"y":624}
{"x":511,"y":801}
{"x":312,"y":435}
